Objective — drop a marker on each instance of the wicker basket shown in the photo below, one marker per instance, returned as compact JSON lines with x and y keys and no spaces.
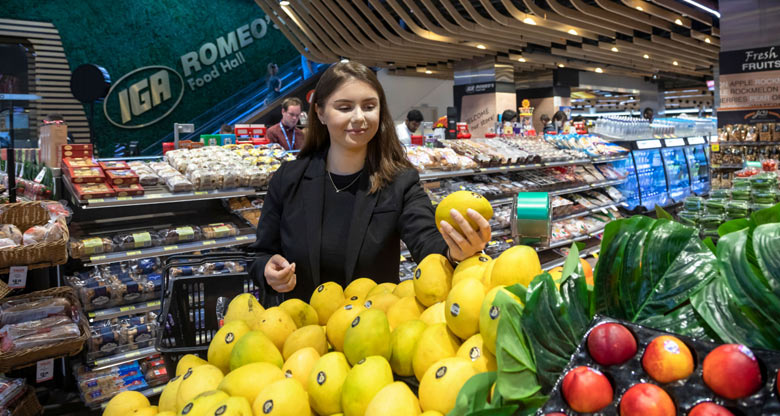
{"x":28,"y":405}
{"x":27,"y":357}
{"x":25,"y":215}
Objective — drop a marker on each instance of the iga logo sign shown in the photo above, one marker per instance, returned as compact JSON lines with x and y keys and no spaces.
{"x":143,"y":97}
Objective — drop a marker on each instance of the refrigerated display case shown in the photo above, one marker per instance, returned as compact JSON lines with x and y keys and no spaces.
{"x":698,"y":168}
{"x":651,"y":177}
{"x":678,"y":177}
{"x":629,"y":188}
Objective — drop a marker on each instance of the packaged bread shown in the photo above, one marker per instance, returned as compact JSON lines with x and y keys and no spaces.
{"x":7,"y":243}
{"x":49,"y":233}
{"x":81,"y":248}
{"x":252,"y":216}
{"x":51,"y":335}
{"x":11,"y":232}
{"x":142,"y":239}
{"x":219,"y":230}
{"x":22,"y":310}
{"x":237,"y":204}
{"x":121,"y":177}
{"x":114,"y":165}
{"x":128,"y":190}
{"x":86,"y":175}
{"x":180,"y":234}
{"x":178,"y":183}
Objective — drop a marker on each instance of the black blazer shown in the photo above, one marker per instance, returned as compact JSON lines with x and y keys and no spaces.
{"x":291,"y":225}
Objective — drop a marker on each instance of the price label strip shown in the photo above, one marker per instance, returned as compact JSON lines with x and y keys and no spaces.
{"x":44,"y":370}
{"x":17,"y":278}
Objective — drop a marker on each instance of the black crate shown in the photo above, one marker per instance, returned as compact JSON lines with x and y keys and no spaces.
{"x":190,"y":304}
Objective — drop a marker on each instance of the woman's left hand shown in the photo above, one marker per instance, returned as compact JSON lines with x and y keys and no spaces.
{"x":470,"y":242}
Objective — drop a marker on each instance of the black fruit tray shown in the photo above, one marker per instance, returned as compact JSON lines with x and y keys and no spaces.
{"x":685,"y":393}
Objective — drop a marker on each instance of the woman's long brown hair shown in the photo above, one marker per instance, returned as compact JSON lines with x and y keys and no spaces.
{"x":385,"y":156}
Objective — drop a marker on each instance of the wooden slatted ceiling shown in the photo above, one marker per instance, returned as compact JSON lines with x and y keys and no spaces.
{"x":49,"y":75}
{"x":415,"y":36}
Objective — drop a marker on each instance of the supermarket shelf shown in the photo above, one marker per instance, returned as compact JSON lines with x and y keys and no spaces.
{"x":434,"y":175}
{"x":122,"y":358}
{"x":158,"y":196}
{"x":733,"y":166}
{"x":746,"y":143}
{"x":559,"y":262}
{"x":170,"y":250}
{"x":154,"y":391}
{"x":589,"y":211}
{"x":502,"y":201}
{"x":581,"y":188}
{"x":571,"y":240}
{"x":610,"y":159}
{"x":109,"y":313}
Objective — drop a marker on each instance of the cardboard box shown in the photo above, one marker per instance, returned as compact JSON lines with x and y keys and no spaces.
{"x":121,"y":177}
{"x":77,"y":147}
{"x":75,"y":154}
{"x":93,"y":190}
{"x":50,"y":138}
{"x":118,"y":165}
{"x":86,"y":175}
{"x":128,"y":190}
{"x":79,"y":162}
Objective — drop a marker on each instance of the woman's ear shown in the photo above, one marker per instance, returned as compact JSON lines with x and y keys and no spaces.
{"x":320,"y":114}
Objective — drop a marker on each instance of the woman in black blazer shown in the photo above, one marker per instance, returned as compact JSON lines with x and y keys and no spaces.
{"x":339,"y":211}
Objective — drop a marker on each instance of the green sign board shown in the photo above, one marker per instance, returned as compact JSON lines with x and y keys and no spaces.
{"x":169,"y":61}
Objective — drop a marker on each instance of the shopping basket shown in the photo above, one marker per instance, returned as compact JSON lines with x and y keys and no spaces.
{"x":192,"y":301}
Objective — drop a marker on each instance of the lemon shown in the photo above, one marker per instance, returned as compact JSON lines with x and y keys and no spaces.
{"x":382,"y":301}
{"x":325,"y":299}
{"x":277,"y":326}
{"x":244,"y":307}
{"x":518,"y":264}
{"x":461,"y":201}
{"x":461,"y":311}
{"x":435,"y":343}
{"x":432,"y":279}
{"x":473,"y":349}
{"x":367,"y":335}
{"x":221,"y":346}
{"x":404,"y":289}
{"x":125,"y":403}
{"x":300,"y":364}
{"x":325,"y":383}
{"x":307,"y":336}
{"x":283,"y":398}
{"x":404,"y":342}
{"x":338,"y":324}
{"x":196,"y":381}
{"x":301,"y":312}
{"x":247,"y":381}
{"x":359,"y":288}
{"x":406,"y":309}
{"x":394,"y":399}
{"x":364,"y":381}
{"x":441,"y":383}
{"x":434,"y":314}
{"x":255,"y":347}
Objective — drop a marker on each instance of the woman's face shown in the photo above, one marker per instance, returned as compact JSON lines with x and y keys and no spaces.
{"x":351,"y":114}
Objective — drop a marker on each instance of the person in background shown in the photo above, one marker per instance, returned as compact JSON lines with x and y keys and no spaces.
{"x":273,"y":84}
{"x":547,"y":127}
{"x":286,"y":133}
{"x":648,"y":114}
{"x":559,"y":120}
{"x":405,"y":130}
{"x":225,"y":129}
{"x":508,"y":116}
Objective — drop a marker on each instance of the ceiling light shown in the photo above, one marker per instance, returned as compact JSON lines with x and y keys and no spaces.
{"x":675,"y":63}
{"x":428,"y":71}
{"x":480,"y":46}
{"x":678,"y":21}
{"x":614,"y":49}
{"x":646,"y":56}
{"x":707,"y":40}
{"x":703,"y":7}
{"x":572,"y":32}
{"x":344,"y":60}
{"x":560,"y":65}
{"x":639,"y":8}
{"x":599,"y":70}
{"x":284,"y":3}
{"x":529,"y":21}
{"x":521,"y":59}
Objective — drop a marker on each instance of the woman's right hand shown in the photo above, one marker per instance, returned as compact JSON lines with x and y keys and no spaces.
{"x":280,"y":274}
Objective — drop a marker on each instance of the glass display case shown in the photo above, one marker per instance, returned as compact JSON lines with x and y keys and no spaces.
{"x":698,"y":167}
{"x":677,"y":173}
{"x":651,"y":177}
{"x":629,"y":188}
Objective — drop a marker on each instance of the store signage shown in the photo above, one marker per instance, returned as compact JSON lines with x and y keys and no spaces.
{"x":749,"y":86}
{"x":648,"y":144}
{"x":480,"y":88}
{"x":144,"y":96}
{"x":147,"y":95}
{"x":221,"y":56}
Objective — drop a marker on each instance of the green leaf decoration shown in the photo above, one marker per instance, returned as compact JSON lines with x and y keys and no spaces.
{"x":473,"y":398}
{"x":649,"y":267}
{"x":765,"y":245}
{"x":661,"y":213}
{"x":710,"y":244}
{"x":733,"y":226}
{"x":555,"y":321}
{"x":685,"y":321}
{"x":516,"y":379}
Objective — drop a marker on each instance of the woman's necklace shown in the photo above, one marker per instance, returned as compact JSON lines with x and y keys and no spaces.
{"x":346,"y":187}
